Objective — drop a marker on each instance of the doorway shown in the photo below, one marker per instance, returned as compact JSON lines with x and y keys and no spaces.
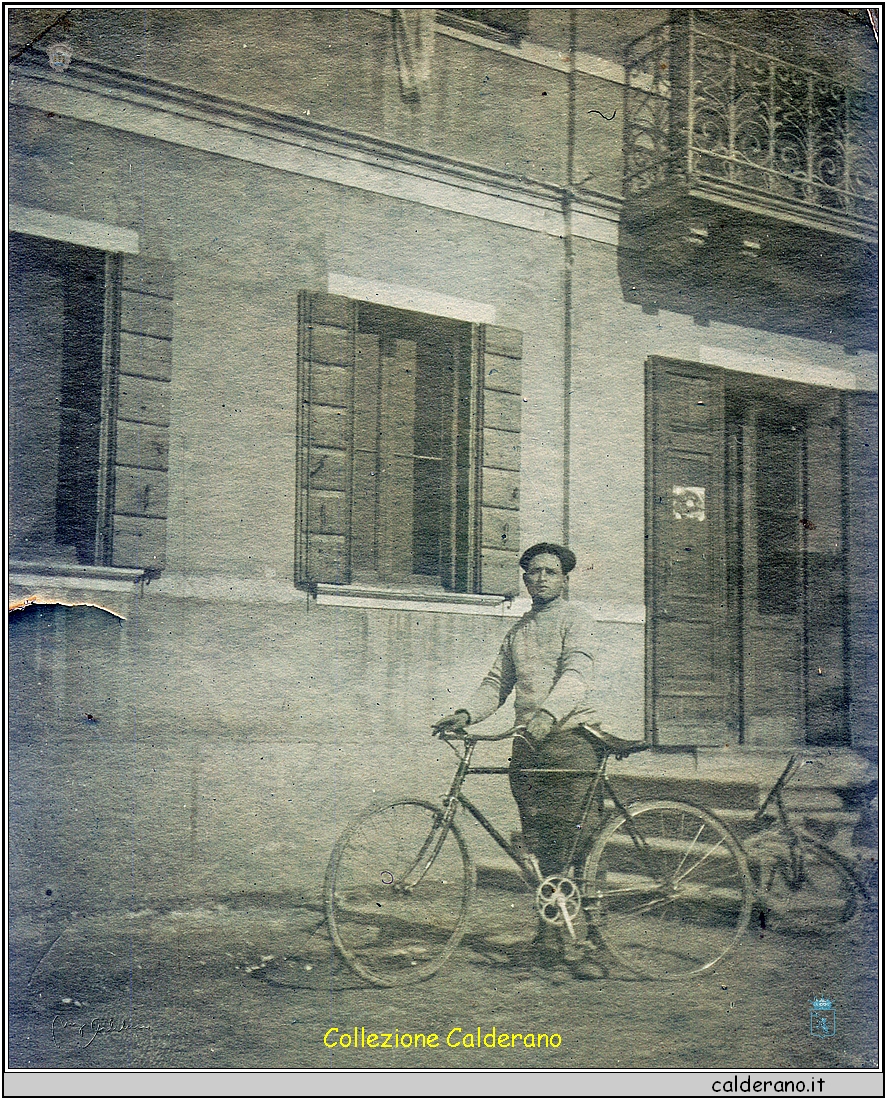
{"x":747,"y":569}
{"x":786,"y":569}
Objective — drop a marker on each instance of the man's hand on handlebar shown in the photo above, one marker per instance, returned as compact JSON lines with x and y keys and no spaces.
{"x":457,"y":722}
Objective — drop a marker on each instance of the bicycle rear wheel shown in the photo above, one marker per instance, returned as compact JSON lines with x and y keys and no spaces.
{"x":398,"y":889}
{"x":668,"y":889}
{"x":818,"y":896}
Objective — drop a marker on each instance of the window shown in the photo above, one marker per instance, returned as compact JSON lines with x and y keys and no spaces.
{"x":89,"y":343}
{"x":409,"y":456}
{"x":56,"y":309}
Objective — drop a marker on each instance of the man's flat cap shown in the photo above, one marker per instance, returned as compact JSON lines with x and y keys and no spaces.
{"x":567,"y":557}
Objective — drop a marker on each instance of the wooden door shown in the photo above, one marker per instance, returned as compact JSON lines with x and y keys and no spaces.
{"x":825,"y":607}
{"x":689,"y":701}
{"x":862,"y":554}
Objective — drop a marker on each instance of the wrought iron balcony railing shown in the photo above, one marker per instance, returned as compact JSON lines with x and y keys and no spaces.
{"x":745,"y":125}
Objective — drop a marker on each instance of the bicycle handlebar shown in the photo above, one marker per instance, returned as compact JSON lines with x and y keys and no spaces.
{"x":616,"y":745}
{"x":465,"y":735}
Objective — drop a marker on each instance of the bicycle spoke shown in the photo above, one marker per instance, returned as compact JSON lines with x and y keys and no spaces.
{"x":708,"y":855}
{"x":686,"y":855}
{"x":650,"y":905}
{"x":653,"y":888}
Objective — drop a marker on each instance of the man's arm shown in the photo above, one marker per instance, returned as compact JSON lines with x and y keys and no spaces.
{"x":576,"y":664}
{"x":494,"y":689}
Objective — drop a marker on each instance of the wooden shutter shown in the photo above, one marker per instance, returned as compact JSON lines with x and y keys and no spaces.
{"x":686,"y":570}
{"x":365,"y":477}
{"x":861,"y":465}
{"x":499,"y":416}
{"x":326,"y":377}
{"x":141,"y":438}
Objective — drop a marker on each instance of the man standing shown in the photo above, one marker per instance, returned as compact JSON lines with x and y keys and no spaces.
{"x":547,"y":659}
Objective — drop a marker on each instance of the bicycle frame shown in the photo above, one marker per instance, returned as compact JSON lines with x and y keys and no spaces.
{"x":793,"y":840}
{"x":600,"y":783}
{"x":775,"y":794}
{"x":792,"y":836}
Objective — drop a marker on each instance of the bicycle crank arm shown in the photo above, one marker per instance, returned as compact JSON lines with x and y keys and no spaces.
{"x":562,"y":905}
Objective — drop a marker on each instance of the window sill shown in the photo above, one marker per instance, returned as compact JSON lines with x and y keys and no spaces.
{"x":33,"y":574}
{"x":418,"y":599}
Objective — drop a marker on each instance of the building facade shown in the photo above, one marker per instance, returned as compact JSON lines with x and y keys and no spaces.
{"x":318,"y":316}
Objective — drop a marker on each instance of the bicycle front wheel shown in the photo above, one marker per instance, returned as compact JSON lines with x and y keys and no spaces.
{"x":815,"y":893}
{"x":398,"y":889}
{"x":668,"y":889}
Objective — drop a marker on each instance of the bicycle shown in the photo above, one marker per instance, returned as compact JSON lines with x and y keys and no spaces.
{"x":802,"y":883}
{"x":665,"y":886}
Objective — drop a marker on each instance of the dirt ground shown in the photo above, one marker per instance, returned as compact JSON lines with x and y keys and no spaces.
{"x":254,"y":983}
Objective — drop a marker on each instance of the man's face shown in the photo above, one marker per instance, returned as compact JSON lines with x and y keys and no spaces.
{"x":544,"y":578}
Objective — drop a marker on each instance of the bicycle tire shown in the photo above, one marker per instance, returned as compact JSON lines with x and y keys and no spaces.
{"x":398,"y":892}
{"x":674,"y":901}
{"x":822,"y":898}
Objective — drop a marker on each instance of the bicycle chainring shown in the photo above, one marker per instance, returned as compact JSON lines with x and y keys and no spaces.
{"x":558,"y":900}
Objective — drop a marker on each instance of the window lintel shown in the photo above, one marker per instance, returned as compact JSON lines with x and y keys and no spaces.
{"x":102,"y":236}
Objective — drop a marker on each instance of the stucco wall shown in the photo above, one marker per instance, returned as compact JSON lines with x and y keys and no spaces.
{"x":243,"y":241}
{"x":337,"y":68}
{"x":203,"y":747}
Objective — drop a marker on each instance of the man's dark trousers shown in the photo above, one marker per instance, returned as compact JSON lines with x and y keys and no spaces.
{"x":550,"y":805}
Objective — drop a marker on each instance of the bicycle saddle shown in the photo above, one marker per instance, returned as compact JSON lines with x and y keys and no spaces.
{"x":618,"y":746}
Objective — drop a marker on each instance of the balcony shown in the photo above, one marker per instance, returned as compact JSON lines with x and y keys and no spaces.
{"x":764,"y":170}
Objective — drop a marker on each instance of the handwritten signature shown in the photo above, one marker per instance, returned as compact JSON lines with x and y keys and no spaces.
{"x":88,"y":1031}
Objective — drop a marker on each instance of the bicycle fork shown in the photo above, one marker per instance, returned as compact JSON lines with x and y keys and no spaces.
{"x":429,"y":851}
